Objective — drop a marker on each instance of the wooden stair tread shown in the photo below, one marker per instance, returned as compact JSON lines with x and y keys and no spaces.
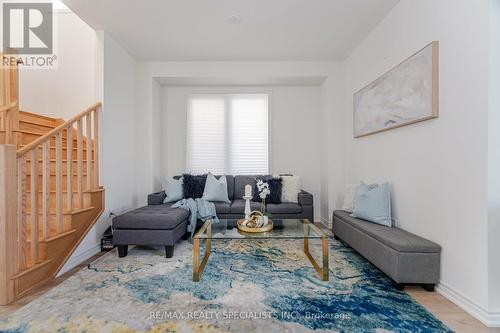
{"x":53,"y":147}
{"x":81,"y":210}
{"x":31,"y":132}
{"x":54,"y":238}
{"x":53,"y":174}
{"x":26,"y":121}
{"x":66,"y":212}
{"x":36,"y":115}
{"x":74,"y":191}
{"x":62,"y":235}
{"x":63,"y":160}
{"x":40,"y":133}
{"x":66,"y":191}
{"x":32,"y":268}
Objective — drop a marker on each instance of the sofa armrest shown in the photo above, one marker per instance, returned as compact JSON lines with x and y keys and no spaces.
{"x":305,"y":198}
{"x":156,"y":198}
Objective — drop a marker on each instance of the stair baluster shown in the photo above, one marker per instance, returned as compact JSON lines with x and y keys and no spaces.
{"x":34,"y":248}
{"x":79,"y":183}
{"x":46,"y":189}
{"x":69,"y":168}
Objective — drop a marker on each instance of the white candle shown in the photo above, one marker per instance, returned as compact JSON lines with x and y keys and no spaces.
{"x":248,"y":190}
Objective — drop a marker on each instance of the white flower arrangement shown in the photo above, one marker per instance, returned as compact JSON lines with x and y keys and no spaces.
{"x":264,"y":191}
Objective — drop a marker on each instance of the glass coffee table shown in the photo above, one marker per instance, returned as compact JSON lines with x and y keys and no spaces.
{"x":283,"y":229}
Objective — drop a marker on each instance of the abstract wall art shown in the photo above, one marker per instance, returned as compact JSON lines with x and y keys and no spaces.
{"x":407,"y":94}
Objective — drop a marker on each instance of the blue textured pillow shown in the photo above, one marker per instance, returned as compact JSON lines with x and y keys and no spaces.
{"x":215,"y":190}
{"x":173,"y":189}
{"x":373,"y":204}
{"x":194,"y":186}
{"x":275,"y":187}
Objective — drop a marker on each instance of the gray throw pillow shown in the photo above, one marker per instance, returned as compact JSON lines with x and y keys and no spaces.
{"x":173,"y":189}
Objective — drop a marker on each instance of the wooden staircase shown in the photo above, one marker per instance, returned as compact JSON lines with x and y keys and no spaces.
{"x":50,"y":194}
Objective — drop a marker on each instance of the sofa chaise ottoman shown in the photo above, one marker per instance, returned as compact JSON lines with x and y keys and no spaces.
{"x":406,"y":258}
{"x":150,"y":225}
{"x":160,"y":224}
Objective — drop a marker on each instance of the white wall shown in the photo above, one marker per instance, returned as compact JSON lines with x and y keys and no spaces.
{"x":438,"y":168}
{"x":118,"y":143}
{"x":237,"y":71}
{"x":296,"y":138}
{"x":157,"y":135}
{"x":71,"y":88}
{"x":332,"y":144}
{"x":494,"y":160}
{"x":294,"y":135}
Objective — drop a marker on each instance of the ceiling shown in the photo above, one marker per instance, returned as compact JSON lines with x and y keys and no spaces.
{"x":235,"y":30}
{"x":302,"y":81}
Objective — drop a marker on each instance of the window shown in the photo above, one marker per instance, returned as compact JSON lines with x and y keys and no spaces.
{"x":228,"y":134}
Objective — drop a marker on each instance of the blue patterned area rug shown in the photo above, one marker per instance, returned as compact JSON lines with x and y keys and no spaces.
{"x":259,"y":286}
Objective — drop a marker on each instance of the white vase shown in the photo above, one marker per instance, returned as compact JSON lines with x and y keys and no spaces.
{"x":265,"y":221}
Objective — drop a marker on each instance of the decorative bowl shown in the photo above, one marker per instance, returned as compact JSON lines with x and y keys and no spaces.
{"x":247,"y":226}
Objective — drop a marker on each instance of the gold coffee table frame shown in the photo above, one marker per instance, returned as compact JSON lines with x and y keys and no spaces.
{"x":308,"y":227}
{"x":197,"y":268}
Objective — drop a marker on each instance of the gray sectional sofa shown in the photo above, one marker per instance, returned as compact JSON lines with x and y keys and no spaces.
{"x":406,"y":258}
{"x":161,"y":225}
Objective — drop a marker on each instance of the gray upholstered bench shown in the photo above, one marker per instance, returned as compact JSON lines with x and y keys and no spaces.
{"x":150,"y":225}
{"x":406,"y":258}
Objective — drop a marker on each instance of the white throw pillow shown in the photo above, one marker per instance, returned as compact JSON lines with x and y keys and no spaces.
{"x":173,"y":189}
{"x":349,"y":196}
{"x":215,"y":190}
{"x":290,"y":189}
{"x":373,"y":204}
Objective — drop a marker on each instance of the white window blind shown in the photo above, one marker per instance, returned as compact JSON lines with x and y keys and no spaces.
{"x":228,"y":134}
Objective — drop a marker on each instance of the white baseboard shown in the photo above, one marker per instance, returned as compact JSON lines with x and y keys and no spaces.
{"x":78,"y":259}
{"x":488,"y":318}
{"x":326,"y":222}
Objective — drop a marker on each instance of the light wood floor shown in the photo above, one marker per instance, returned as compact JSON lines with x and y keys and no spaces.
{"x":453,"y":316}
{"x":449,"y":313}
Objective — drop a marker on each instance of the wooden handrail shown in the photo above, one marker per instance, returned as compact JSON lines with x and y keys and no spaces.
{"x":56,"y":130}
{"x":8,"y":107}
{"x":9,"y":102}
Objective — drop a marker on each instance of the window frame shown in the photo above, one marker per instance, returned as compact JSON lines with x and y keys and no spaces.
{"x":234,"y":91}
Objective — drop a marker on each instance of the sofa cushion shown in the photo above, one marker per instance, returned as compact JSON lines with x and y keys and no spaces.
{"x":395,"y":238}
{"x":238,"y":206}
{"x":159,"y":217}
{"x":284,"y":208}
{"x":239,"y":185}
{"x":222,"y":207}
